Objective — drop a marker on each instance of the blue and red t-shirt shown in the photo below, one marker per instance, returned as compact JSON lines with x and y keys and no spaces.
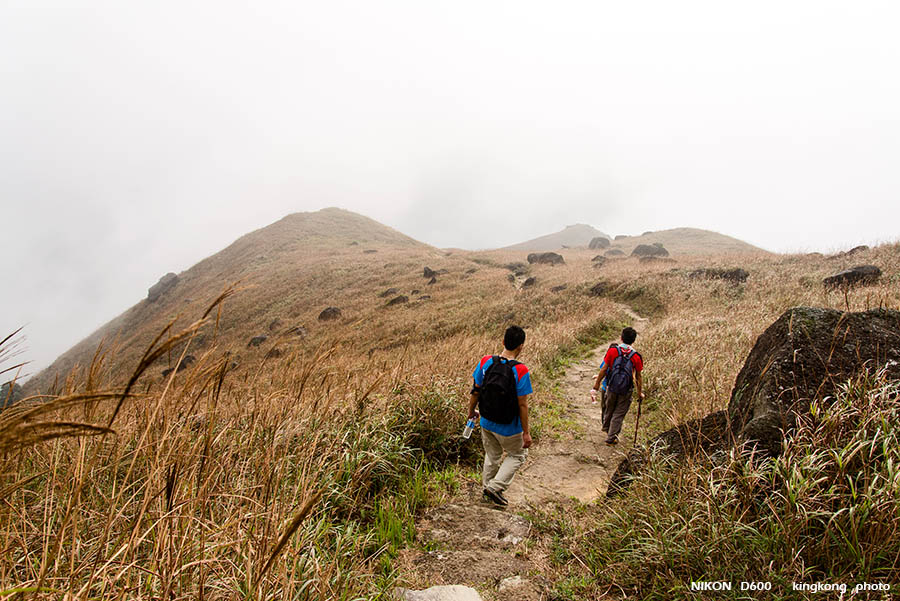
{"x":523,"y":387}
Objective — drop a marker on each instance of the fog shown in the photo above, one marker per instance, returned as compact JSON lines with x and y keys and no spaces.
{"x":138,"y":138}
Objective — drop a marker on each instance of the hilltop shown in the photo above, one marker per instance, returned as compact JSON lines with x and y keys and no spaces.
{"x":283,"y":269}
{"x":572,"y":236}
{"x":687,"y":241}
{"x":678,"y":241}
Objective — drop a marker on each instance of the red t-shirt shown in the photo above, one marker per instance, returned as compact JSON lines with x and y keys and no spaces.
{"x":613,"y":352}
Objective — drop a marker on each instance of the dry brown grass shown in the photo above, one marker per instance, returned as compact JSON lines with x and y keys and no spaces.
{"x":298,"y":474}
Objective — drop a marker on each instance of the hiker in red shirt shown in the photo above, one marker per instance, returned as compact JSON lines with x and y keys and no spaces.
{"x":622,"y":367}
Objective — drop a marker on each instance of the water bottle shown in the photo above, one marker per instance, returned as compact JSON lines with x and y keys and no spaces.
{"x":467,"y":431}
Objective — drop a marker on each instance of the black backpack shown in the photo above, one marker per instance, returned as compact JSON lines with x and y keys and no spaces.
{"x":619,"y":380}
{"x":498,"y":399}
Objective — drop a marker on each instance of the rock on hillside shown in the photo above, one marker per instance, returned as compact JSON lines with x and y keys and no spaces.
{"x":165,"y":283}
{"x":805,"y":354}
{"x":650,"y":250}
{"x":598,"y":242}
{"x":861,"y":275}
{"x":547,"y":258}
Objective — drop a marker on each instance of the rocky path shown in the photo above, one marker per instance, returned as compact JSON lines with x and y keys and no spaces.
{"x":474,"y":544}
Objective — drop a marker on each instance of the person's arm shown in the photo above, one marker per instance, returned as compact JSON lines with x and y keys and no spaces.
{"x":598,"y":382}
{"x":523,"y":413}
{"x":473,"y":400}
{"x":639,"y":382}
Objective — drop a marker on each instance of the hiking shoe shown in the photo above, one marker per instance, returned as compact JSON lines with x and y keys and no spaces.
{"x":496,"y":498}
{"x":613,"y":440}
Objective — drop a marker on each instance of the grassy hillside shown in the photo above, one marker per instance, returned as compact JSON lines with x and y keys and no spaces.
{"x":251,"y":475}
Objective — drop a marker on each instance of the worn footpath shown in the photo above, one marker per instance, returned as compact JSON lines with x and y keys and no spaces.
{"x":469,"y":542}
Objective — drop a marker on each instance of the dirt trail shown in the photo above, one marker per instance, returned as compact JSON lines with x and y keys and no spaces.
{"x":476,"y":544}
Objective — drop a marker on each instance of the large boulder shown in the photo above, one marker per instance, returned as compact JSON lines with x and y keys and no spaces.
{"x":398,"y":300}
{"x":598,"y":261}
{"x":598,"y":242}
{"x":861,"y":275}
{"x":548,"y":258}
{"x":428,"y":272}
{"x":806,"y":354}
{"x":257,"y":340}
{"x":650,"y":250}
{"x":445,"y":592}
{"x":165,"y":283}
{"x":330,"y":314}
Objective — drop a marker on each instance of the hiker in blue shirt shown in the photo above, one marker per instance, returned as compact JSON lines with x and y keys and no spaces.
{"x":501,"y":389}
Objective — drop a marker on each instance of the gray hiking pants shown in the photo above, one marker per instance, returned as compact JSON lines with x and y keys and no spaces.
{"x":614,"y":409}
{"x":497,"y":476}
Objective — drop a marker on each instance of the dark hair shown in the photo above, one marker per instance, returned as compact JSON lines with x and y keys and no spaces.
{"x":628,"y":335}
{"x":513,"y":338}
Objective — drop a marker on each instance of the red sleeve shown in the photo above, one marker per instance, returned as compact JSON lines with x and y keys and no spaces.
{"x":611,"y":355}
{"x":638,"y":362}
{"x":521,"y":370}
{"x":484,"y":360}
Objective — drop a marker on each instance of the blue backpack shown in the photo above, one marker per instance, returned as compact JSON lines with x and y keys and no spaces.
{"x":620,"y":380}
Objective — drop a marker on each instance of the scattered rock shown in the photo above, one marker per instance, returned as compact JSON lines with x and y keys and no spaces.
{"x":354,"y":243}
{"x":849,"y":253}
{"x":424,"y":297}
{"x":600,"y":288}
{"x":446,"y":592}
{"x":164,"y":285}
{"x":599,"y":242}
{"x":429,"y":273}
{"x":518,"y":268}
{"x":185,"y":363}
{"x":274,"y":353}
{"x":507,"y":584}
{"x":369,"y":251}
{"x":275,"y":324}
{"x":471,"y":270}
{"x":432,"y":281}
{"x":330,"y":314}
{"x":559,"y":288}
{"x":861,"y":275}
{"x":735,"y":275}
{"x":416,"y":291}
{"x":649,"y":250}
{"x":621,"y":237}
{"x":614,"y":252}
{"x":599,"y":261}
{"x":388,"y":292}
{"x":257,"y":340}
{"x":529,"y":282}
{"x":646,"y":260}
{"x":548,"y":258}
{"x":299,"y":331}
{"x":398,"y":300}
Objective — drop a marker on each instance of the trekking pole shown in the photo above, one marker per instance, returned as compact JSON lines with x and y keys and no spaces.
{"x":637,"y":421}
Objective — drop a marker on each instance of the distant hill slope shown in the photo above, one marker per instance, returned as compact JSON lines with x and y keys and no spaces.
{"x":688,"y":241}
{"x":291,"y":269}
{"x":571,"y":236}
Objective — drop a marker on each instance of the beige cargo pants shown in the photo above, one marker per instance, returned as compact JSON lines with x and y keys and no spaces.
{"x":498,"y":475}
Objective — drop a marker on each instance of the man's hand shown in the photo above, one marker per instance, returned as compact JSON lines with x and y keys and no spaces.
{"x":473,"y":414}
{"x":593,"y":395}
{"x":526,"y":440}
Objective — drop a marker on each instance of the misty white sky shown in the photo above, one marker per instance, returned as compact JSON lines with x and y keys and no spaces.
{"x":137,"y":138}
